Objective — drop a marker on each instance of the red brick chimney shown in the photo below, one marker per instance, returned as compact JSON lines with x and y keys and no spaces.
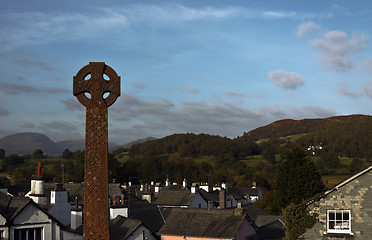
{"x":40,"y":170}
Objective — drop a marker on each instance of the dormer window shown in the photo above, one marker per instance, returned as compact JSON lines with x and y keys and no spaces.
{"x":339,"y":221}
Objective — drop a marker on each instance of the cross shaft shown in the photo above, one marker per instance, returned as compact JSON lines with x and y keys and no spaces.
{"x":90,"y":92}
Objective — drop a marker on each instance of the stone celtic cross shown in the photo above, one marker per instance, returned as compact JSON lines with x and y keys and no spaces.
{"x":96,"y":93}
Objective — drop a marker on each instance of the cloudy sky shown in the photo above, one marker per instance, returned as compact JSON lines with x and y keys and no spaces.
{"x":216,"y":67}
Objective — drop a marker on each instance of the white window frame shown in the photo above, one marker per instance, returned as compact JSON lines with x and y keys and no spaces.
{"x":341,"y":222}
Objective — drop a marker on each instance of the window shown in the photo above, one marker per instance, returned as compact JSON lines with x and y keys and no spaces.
{"x":28,"y":234}
{"x":338,"y":221}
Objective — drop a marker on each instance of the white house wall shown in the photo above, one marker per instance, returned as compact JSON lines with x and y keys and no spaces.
{"x":3,"y":227}
{"x":71,"y":236}
{"x":198,"y":199}
{"x":5,"y":231}
{"x":138,"y":234}
{"x":31,"y":214}
{"x":32,"y":217}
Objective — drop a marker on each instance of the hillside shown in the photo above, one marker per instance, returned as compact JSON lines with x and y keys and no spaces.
{"x":26,"y":143}
{"x":287,"y":127}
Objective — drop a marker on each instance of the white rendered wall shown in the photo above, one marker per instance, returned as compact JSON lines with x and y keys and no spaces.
{"x":141,"y":233}
{"x":114,"y":212}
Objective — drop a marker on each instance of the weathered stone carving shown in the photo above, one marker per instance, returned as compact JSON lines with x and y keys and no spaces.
{"x":96,"y":94}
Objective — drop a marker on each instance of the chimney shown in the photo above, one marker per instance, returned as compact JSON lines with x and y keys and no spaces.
{"x":76,"y":216}
{"x":61,"y":209}
{"x":38,"y":187}
{"x":40,"y":170}
{"x":167,"y":182}
{"x":194,"y":188}
{"x":254,"y":184}
{"x":222,"y":198}
{"x":239,"y":210}
{"x":122,"y":199}
{"x":158,"y":187}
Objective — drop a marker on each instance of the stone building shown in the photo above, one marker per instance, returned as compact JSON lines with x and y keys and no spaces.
{"x":345,"y":212}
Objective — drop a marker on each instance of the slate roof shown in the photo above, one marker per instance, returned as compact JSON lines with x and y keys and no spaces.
{"x":174,"y":198}
{"x":121,"y":228}
{"x":210,"y":196}
{"x":202,"y":223}
{"x":271,"y":231}
{"x":173,"y":187}
{"x":146,"y":212}
{"x":259,"y":216}
{"x":77,"y":190}
{"x":11,"y":206}
{"x":236,"y":193}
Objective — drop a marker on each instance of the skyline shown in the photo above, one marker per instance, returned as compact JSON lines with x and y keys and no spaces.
{"x":211,"y":67}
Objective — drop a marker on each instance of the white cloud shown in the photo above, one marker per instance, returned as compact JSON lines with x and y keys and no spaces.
{"x":138,"y":85}
{"x":275,"y":14}
{"x":306,"y":28}
{"x":337,"y":49}
{"x":368,"y":89}
{"x":234,"y":93}
{"x":286,"y":80}
{"x":189,"y":90}
{"x":20,"y":28}
{"x":345,"y":90}
{"x":368,"y":64}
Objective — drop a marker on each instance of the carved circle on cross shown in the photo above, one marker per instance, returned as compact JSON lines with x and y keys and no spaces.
{"x":92,"y":89}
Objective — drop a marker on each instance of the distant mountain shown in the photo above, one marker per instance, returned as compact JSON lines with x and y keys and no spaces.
{"x":287,"y":127}
{"x":129,"y":144}
{"x":26,"y":143}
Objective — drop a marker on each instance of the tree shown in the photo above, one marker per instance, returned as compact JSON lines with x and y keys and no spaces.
{"x":10,"y":162}
{"x":4,"y":182}
{"x":67,"y":154}
{"x":38,"y":154}
{"x":79,"y":159}
{"x":2,"y":153}
{"x":296,"y":179}
{"x":356,"y":165}
{"x":331,"y":160}
{"x":297,"y":219}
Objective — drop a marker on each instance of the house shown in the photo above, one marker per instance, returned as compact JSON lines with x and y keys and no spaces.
{"x":234,"y":196}
{"x":197,"y":224}
{"x":204,"y":199}
{"x":122,"y":228}
{"x":131,"y":206}
{"x":344,"y":212}
{"x":22,"y":218}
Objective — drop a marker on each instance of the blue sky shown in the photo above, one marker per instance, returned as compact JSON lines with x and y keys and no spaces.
{"x":216,"y":67}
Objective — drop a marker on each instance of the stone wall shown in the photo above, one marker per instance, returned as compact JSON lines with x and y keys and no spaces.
{"x":355,"y":196}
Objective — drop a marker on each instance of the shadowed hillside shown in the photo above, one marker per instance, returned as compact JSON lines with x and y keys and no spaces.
{"x":287,"y":127}
{"x":26,"y":143}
